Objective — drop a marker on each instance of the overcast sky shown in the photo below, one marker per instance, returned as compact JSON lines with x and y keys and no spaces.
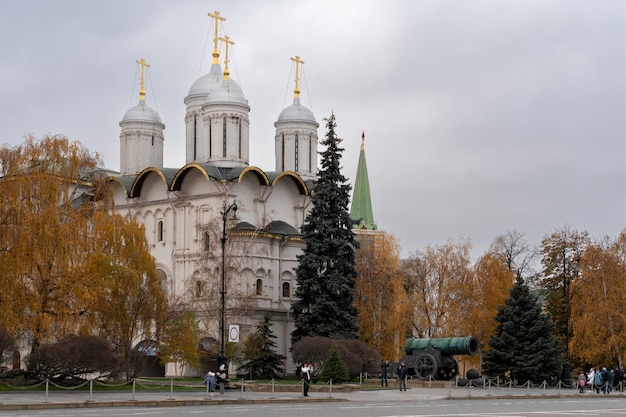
{"x":480,"y":117}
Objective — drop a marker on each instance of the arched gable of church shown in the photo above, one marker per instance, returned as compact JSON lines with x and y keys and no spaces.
{"x":119,"y":188}
{"x":192,"y":180}
{"x":150,"y":185}
{"x":287,"y":189}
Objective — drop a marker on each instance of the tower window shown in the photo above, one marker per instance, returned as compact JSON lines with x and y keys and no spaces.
{"x":224,"y":138}
{"x":210,"y":138}
{"x":286,"y":290}
{"x":282,"y":152}
{"x":195,"y":136}
{"x":239,"y":124}
{"x":152,"y":140}
{"x":295,"y":168}
{"x":259,"y":286}
{"x":310,"y":153}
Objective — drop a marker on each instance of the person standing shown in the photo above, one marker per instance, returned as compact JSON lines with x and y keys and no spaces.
{"x":209,"y":380}
{"x":305,"y":372}
{"x":221,"y":378}
{"x":582,"y":381}
{"x":384,"y":369}
{"x":403,"y":372}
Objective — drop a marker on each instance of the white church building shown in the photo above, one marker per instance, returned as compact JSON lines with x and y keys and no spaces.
{"x":185,"y":210}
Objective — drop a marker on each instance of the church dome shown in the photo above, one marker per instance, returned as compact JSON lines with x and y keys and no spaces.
{"x":207,"y":83}
{"x":141,"y":113}
{"x":296,"y":113}
{"x":228,"y":93}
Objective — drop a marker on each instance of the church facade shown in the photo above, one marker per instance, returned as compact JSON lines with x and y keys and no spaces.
{"x":188,"y":212}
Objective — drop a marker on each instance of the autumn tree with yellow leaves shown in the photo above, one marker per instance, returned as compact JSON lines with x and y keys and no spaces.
{"x":67,"y":265}
{"x":598,"y":305}
{"x":437,"y":279}
{"x":384,"y":309}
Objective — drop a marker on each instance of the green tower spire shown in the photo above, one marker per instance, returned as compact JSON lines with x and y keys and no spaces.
{"x":361,"y":210}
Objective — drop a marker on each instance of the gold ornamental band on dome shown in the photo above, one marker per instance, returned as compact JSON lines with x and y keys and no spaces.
{"x":297,"y":60}
{"x":216,"y":52}
{"x":142,"y":88}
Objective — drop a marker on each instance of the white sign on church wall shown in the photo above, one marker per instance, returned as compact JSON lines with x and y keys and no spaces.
{"x":233,"y":333}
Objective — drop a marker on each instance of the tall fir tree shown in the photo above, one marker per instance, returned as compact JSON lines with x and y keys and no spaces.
{"x":524,"y":343}
{"x":260,"y":351}
{"x":326,"y":271}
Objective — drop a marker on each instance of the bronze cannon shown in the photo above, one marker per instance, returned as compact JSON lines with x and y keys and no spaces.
{"x":434,"y":358}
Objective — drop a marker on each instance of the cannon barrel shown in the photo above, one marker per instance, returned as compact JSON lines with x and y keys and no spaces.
{"x":447,"y":345}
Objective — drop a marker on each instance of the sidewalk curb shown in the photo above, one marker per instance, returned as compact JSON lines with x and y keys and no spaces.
{"x":162,"y":403}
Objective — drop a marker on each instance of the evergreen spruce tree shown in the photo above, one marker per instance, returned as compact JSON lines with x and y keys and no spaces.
{"x":524,"y":343}
{"x":335,"y":368}
{"x":326,"y":271}
{"x":259,"y":350}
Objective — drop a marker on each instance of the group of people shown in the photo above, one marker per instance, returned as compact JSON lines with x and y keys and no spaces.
{"x":403,"y":373}
{"x":216,"y":379}
{"x":601,"y":379}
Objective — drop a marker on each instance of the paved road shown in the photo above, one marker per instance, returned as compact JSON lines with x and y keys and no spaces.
{"x":416,"y":402}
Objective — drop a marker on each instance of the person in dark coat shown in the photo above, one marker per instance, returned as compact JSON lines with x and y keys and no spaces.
{"x":384,"y":369}
{"x":403,"y":372}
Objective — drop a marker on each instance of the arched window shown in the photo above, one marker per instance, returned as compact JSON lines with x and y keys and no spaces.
{"x":286,"y":290}
{"x":206,"y":241}
{"x":259,"y":286}
{"x":160,"y":231}
{"x":199,"y":289}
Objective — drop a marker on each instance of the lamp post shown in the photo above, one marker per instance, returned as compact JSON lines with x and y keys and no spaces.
{"x":222,"y":359}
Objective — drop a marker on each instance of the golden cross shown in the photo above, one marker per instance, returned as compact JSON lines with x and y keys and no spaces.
{"x":142,"y":90}
{"x":227,"y":41}
{"x":216,"y":52}
{"x":296,"y":90}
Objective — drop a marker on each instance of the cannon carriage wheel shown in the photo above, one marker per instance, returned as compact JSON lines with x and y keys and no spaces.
{"x":426,"y":366}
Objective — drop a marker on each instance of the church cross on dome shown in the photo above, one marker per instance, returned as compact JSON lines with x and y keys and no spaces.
{"x":296,"y":91}
{"x":216,"y":52}
{"x":227,"y":41}
{"x":142,"y":90}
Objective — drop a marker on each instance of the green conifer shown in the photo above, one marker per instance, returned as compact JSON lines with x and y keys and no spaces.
{"x":524,"y":343}
{"x":326,"y":271}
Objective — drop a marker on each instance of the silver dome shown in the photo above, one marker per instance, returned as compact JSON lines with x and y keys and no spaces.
{"x":208,"y":82}
{"x":296,"y":113}
{"x":141,"y":113}
{"x":228,"y":93}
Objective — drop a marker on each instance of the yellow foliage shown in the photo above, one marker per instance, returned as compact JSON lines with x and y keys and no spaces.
{"x":384,"y":309}
{"x":66,"y":264}
{"x":598,"y":304}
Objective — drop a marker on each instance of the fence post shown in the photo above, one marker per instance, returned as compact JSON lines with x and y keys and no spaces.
{"x":134,"y":387}
{"x":90,"y":400}
{"x":171,"y":389}
{"x":272,"y":389}
{"x":46,"y":390}
{"x":241,"y":388}
{"x":330,"y":390}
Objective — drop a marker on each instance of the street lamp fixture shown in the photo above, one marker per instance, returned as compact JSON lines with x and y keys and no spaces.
{"x":222,"y":359}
